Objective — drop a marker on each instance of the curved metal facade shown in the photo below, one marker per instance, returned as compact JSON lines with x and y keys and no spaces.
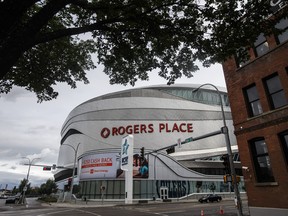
{"x":157,"y":116}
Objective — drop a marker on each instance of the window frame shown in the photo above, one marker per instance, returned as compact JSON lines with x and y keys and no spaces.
{"x":249,"y":103}
{"x":242,"y":56}
{"x":283,"y":31}
{"x":259,"y":158}
{"x":272,"y":94}
{"x":283,"y":137}
{"x":261,"y":45}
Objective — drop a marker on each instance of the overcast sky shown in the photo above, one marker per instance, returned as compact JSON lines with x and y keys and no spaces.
{"x":32,"y":130}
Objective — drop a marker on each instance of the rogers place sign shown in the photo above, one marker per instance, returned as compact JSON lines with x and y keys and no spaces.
{"x":147,"y":128}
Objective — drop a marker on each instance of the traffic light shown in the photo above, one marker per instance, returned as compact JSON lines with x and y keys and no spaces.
{"x":170,"y":150}
{"x":238,"y":179}
{"x":226,"y":163}
{"x":68,"y":186}
{"x":142,"y":152}
{"x":229,"y":178}
{"x":47,"y":168}
{"x":69,"y":182}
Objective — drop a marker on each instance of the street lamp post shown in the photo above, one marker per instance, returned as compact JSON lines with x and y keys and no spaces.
{"x":225,"y":131}
{"x":74,"y":166}
{"x":27,"y":178}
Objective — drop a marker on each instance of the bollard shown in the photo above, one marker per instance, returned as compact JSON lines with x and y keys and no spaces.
{"x":221,"y":212}
{"x":202,"y":212}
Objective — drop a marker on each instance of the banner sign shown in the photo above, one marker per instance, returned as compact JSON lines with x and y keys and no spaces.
{"x":99,"y":166}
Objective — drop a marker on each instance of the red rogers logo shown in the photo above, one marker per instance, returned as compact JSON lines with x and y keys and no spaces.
{"x":147,"y":128}
{"x":105,"y":132}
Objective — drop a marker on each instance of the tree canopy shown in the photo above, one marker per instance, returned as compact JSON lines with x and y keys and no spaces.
{"x":49,"y":187}
{"x":43,"y":42}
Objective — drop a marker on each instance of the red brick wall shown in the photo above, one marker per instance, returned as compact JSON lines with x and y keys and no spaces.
{"x":266,"y":125}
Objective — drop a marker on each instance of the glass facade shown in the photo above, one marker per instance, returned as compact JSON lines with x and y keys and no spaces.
{"x":201,"y":96}
{"x":147,"y":189}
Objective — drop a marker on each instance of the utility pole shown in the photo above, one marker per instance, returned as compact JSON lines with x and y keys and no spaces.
{"x":225,"y":131}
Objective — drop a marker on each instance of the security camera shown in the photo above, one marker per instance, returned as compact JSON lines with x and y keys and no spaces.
{"x":245,"y":168}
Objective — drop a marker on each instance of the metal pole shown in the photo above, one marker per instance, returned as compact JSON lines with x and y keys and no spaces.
{"x":27,"y":179}
{"x":74,"y":167}
{"x":229,"y":151}
{"x":155,"y":187}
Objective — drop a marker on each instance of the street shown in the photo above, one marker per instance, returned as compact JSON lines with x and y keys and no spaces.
{"x":188,"y":208}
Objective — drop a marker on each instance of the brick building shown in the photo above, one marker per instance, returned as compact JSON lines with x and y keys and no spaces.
{"x":258,"y":94}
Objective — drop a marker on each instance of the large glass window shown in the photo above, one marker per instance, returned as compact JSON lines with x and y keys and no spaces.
{"x":261,"y":160}
{"x":202,"y":95}
{"x":261,"y":45}
{"x":284,"y":141}
{"x":253,"y":101}
{"x":275,"y":91}
{"x":283,"y":27}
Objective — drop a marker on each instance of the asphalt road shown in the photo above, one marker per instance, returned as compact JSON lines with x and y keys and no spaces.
{"x":175,"y":208}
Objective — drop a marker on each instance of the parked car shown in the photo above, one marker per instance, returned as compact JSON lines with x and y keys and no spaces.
{"x":210,"y":198}
{"x":13,"y":199}
{"x":3,"y":196}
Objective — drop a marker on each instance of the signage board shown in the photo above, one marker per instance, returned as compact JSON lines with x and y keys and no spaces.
{"x":99,"y":166}
{"x":127,"y":153}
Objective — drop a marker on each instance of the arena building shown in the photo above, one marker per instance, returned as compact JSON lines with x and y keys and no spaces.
{"x":157,"y":117}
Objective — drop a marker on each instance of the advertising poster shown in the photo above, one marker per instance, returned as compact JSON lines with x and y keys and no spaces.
{"x":99,"y":166}
{"x":140,"y":168}
{"x":103,"y":166}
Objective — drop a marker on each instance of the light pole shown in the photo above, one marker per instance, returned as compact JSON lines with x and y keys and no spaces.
{"x":225,"y":131}
{"x":27,"y":179}
{"x":74,"y":166}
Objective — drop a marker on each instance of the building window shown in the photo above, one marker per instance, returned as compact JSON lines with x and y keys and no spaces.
{"x":283,"y":27}
{"x":253,"y":101}
{"x":261,"y":45}
{"x":242,"y":56}
{"x":284,"y":141}
{"x":276,"y":94}
{"x":261,"y":160}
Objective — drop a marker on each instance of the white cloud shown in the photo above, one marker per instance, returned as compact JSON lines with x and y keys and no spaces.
{"x":30,"y":129}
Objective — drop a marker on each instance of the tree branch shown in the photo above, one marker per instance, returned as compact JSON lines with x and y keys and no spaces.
{"x":46,"y":37}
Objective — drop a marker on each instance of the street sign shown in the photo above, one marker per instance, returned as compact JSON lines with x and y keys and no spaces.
{"x":47,"y":168}
{"x":190,"y":139}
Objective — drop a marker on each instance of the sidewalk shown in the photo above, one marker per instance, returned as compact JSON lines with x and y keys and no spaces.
{"x":107,"y":203}
{"x":81,"y":203}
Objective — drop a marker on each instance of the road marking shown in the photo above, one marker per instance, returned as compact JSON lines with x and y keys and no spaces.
{"x":92,"y":213}
{"x":168,"y":212}
{"x":57,"y":212}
